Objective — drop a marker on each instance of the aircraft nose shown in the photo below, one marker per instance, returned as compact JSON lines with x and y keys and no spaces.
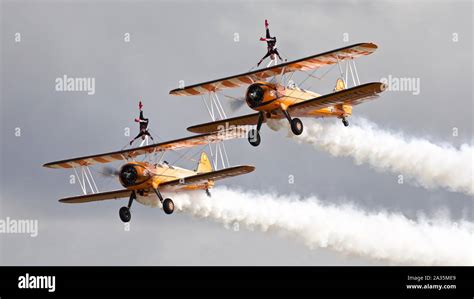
{"x":128,"y":175}
{"x":254,"y":95}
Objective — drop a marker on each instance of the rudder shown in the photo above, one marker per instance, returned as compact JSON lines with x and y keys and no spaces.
{"x":204,"y":164}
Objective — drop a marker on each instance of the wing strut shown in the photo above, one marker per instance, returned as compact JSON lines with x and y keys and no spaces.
{"x":86,"y":176}
{"x":350,"y":67}
{"x":216,"y":111}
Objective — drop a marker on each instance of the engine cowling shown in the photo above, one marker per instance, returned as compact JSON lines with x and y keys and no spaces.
{"x":255,"y":95}
{"x":128,"y":175}
{"x":134,"y":174}
{"x":261,"y":94}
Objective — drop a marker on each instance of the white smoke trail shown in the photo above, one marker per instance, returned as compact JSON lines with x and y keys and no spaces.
{"x":428,"y":164}
{"x":382,"y":236}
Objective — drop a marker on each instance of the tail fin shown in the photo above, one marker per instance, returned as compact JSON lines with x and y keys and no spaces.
{"x":204,"y":164}
{"x":340,"y":85}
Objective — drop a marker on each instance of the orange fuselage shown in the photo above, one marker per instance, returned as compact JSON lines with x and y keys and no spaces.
{"x":271,"y":98}
{"x":144,"y":176}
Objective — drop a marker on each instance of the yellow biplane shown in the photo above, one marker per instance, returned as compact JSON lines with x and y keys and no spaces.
{"x":145,"y":181}
{"x":276,"y":101}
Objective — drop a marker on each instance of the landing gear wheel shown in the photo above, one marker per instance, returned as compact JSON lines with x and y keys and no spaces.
{"x":168,"y":206}
{"x":345,"y":122}
{"x":254,"y":137}
{"x":296,"y":126}
{"x":125,"y":214}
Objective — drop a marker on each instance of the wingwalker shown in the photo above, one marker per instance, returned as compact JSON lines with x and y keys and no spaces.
{"x":145,"y":181}
{"x":275,"y":99}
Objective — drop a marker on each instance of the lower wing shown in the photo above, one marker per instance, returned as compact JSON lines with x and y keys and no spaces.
{"x":170,"y":186}
{"x":225,"y":124}
{"x":97,"y":196}
{"x":351,"y":96}
{"x":202,"y":178}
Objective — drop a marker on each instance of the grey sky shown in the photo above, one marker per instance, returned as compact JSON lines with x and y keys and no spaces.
{"x":194,"y":41}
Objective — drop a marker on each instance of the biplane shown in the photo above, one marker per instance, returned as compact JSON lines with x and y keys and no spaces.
{"x":274,"y":100}
{"x":145,"y":181}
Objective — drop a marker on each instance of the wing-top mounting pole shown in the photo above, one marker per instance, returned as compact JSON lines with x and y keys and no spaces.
{"x":144,"y":141}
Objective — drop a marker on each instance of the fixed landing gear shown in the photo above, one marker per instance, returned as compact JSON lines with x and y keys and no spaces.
{"x":345,"y":122}
{"x":124,"y":212}
{"x":208,"y":193}
{"x":126,"y":215}
{"x":295,"y":123}
{"x":296,"y":126}
{"x":254,"y":134}
{"x":168,"y":204}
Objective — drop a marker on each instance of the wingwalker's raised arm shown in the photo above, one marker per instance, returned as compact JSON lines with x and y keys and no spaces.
{"x":143,"y":125}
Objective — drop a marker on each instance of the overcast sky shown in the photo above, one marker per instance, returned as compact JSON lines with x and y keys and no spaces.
{"x":194,"y":41}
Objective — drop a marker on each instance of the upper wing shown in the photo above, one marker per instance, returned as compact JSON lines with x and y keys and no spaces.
{"x":352,"y":96}
{"x":176,"y":185}
{"x":131,"y":153}
{"x":97,"y":196}
{"x":308,"y":63}
{"x":250,"y":119}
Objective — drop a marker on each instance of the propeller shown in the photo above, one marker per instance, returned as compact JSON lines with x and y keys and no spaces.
{"x":110,"y":171}
{"x":235,"y":103}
